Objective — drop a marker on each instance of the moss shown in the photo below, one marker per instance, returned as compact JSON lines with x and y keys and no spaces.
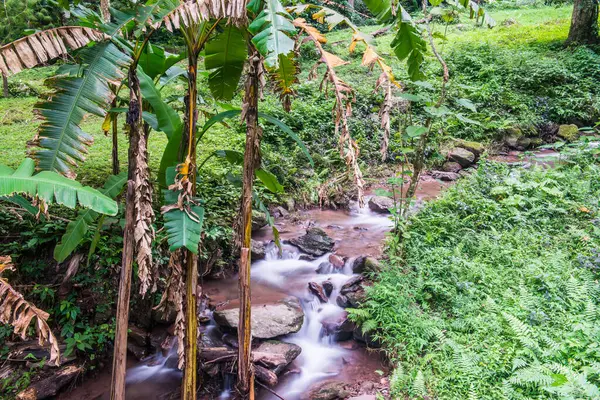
{"x":474,"y":147}
{"x":570,"y":133}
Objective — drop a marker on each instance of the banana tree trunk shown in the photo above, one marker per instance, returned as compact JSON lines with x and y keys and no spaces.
{"x":137,"y":150}
{"x":251,"y":160}
{"x":115,"y":141}
{"x":190,"y":373}
{"x":105,"y":10}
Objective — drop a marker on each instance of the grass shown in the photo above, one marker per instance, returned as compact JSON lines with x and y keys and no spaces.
{"x":494,"y":294}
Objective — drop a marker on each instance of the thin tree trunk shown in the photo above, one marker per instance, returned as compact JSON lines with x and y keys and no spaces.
{"x":584,"y":23}
{"x":4,"y":86}
{"x":136,"y":146}
{"x":251,"y":160}
{"x":115,"y":141}
{"x":190,"y":374}
{"x":105,"y":10}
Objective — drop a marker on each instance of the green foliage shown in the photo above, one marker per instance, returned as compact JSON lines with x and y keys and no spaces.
{"x":61,"y":141}
{"x":77,"y":229}
{"x":19,"y":16}
{"x":272,"y":29}
{"x":53,"y":188}
{"x":184,"y":228}
{"x":493,"y":298}
{"x":225,"y":56}
{"x":168,"y":120}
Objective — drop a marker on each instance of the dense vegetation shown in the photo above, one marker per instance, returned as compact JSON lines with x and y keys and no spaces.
{"x":494,"y":293}
{"x":490,"y":291}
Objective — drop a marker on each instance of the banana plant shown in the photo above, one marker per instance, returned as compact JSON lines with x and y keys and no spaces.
{"x":48,"y":187}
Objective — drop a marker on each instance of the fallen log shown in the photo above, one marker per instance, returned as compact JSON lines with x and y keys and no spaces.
{"x":211,"y":355}
{"x":51,"y":385}
{"x":265,"y":375}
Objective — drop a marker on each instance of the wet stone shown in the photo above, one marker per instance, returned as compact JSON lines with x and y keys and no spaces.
{"x":318,"y":291}
{"x":258,"y":249}
{"x":315,"y":243}
{"x":328,"y":390}
{"x":276,"y":355}
{"x":462,"y":156}
{"x":325,"y":268}
{"x":336,"y":261}
{"x":352,"y":284}
{"x":327,"y":287}
{"x":381,"y":204}
{"x":268,"y":320}
{"x":445,"y":176}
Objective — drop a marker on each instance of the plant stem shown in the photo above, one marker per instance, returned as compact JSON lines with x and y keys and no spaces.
{"x":134,"y":119}
{"x":251,"y":161}
{"x":190,"y":375}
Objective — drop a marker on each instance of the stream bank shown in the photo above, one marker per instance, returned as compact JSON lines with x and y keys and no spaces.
{"x":324,"y":357}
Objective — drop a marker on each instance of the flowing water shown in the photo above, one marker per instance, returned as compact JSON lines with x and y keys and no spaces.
{"x":357,"y":232}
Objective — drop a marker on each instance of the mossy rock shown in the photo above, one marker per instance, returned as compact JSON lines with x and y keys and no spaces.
{"x":570,"y":133}
{"x":474,"y":147}
{"x":513,"y":131}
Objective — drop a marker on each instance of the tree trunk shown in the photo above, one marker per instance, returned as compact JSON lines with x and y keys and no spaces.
{"x":137,"y":144}
{"x":251,"y":160}
{"x":190,"y":372}
{"x":115,"y":141}
{"x":584,"y":23}
{"x":4,"y":86}
{"x":105,"y":10}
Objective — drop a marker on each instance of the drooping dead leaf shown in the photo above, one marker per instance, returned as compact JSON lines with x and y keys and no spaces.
{"x":344,"y":96}
{"x":332,"y":60}
{"x":310,"y":30}
{"x":41,"y":47}
{"x":384,"y":84}
{"x":16,"y":311}
{"x":195,"y":11}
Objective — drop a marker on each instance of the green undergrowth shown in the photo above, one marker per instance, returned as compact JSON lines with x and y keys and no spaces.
{"x":495,"y":293}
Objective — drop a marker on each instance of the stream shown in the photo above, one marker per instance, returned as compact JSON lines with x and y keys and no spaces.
{"x":357,"y":232}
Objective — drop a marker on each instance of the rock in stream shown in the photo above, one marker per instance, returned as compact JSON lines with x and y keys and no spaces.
{"x":268,"y":321}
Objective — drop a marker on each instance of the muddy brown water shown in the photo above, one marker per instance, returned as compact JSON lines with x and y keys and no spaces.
{"x":357,"y":232}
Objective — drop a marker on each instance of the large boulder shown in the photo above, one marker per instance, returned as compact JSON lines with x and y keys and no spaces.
{"x":275,"y":354}
{"x":328,"y":390}
{"x":315,"y":243}
{"x":381,"y":204}
{"x":462,"y":156}
{"x":268,"y":320}
{"x":351,"y":299}
{"x":258,"y":249}
{"x":570,"y":133}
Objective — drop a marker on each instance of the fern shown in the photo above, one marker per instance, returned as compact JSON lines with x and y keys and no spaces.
{"x":521,"y":330}
{"x":418,"y":385}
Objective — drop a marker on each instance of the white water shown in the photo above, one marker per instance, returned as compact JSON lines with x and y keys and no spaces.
{"x":321,"y":356}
